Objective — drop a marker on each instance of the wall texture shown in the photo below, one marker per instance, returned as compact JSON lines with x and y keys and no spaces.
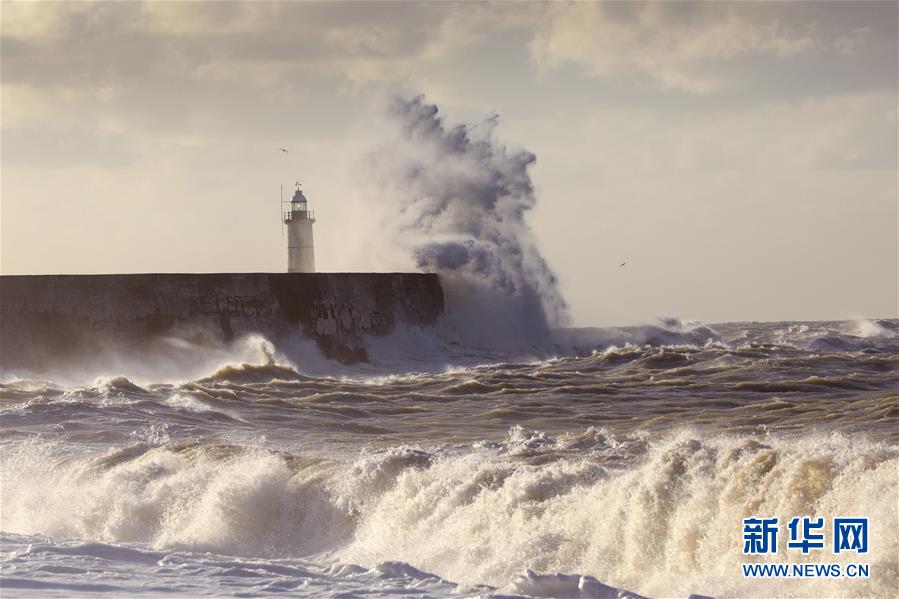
{"x":46,"y":317}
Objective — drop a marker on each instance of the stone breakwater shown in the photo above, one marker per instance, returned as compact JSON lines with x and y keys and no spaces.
{"x":46,"y":318}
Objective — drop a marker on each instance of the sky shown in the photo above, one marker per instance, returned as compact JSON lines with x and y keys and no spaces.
{"x":741,"y":158}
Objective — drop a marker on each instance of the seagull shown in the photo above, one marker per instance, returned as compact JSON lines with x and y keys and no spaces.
{"x":622,"y":264}
{"x":283,"y":150}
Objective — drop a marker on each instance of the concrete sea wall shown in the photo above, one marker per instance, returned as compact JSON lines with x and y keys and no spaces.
{"x":50,"y":317}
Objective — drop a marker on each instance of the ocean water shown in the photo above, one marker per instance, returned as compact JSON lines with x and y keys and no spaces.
{"x":603,"y":463}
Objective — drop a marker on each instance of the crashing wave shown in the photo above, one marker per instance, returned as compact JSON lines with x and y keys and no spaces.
{"x":626,"y":511}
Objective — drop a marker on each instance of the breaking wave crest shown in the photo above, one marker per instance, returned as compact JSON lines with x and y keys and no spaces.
{"x":658,"y":516}
{"x":221,"y":499}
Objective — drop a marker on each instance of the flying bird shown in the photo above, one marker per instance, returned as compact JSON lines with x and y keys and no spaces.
{"x":283,"y":149}
{"x":622,"y":264}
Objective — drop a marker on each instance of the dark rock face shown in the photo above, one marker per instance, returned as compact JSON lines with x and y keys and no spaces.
{"x":46,"y":317}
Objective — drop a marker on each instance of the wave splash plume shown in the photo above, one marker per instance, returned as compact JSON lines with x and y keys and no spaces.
{"x":462,"y":198}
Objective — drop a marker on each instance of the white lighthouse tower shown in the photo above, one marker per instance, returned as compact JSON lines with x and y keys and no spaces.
{"x":299,"y":220}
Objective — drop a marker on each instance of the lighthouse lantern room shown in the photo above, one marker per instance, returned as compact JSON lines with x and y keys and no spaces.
{"x":299,"y":220}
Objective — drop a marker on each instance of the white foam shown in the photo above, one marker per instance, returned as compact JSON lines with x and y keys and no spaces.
{"x":658,"y":517}
{"x":564,"y":585}
{"x":667,"y":524}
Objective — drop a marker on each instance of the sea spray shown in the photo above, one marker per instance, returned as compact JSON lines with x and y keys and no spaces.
{"x":656,"y":515}
{"x":462,"y":198}
{"x":626,"y":467}
{"x":659,"y":517}
{"x":197,"y":497}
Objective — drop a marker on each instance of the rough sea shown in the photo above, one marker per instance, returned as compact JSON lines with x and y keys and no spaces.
{"x":608,"y":463}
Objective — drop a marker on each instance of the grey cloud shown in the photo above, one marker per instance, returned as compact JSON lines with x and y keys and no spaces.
{"x":118,"y":40}
{"x":727,"y":48}
{"x":170,"y":43}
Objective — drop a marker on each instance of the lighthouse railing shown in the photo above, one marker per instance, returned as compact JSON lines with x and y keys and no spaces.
{"x":299,"y":215}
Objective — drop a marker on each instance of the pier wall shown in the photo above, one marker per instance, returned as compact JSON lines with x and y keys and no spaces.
{"x":46,"y":317}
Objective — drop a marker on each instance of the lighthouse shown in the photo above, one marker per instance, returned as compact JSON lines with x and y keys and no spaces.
{"x":299,"y":220}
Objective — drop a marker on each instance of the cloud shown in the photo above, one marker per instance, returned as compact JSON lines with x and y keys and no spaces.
{"x":852,"y":41}
{"x":698,"y":48}
{"x":651,"y":40}
{"x":719,"y":47}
